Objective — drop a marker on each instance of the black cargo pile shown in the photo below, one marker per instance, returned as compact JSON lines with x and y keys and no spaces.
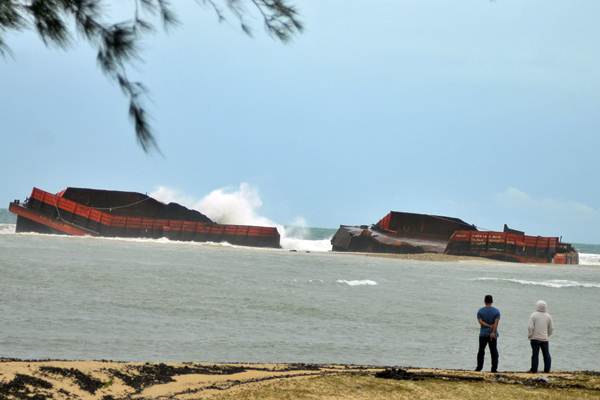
{"x":132,"y":204}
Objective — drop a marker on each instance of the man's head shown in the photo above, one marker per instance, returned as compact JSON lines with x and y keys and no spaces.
{"x":488,"y":299}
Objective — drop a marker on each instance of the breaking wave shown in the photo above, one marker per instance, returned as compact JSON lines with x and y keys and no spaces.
{"x":292,"y":243}
{"x":589,"y":259}
{"x":365,"y":282}
{"x":552,"y":283}
{"x":7,"y":229}
{"x":162,"y":240}
{"x":241,"y":206}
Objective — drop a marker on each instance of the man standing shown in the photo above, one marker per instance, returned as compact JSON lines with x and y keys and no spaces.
{"x":540,"y":330}
{"x":488,"y":318}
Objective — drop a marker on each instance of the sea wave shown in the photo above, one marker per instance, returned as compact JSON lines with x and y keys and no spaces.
{"x":365,"y":282}
{"x":242,"y":206}
{"x":287,"y":243}
{"x":163,"y":240}
{"x":589,"y":259}
{"x":292,"y":243}
{"x":7,"y":229}
{"x":552,"y":283}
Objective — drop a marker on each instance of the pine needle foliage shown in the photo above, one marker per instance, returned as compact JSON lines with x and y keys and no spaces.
{"x":60,"y":22}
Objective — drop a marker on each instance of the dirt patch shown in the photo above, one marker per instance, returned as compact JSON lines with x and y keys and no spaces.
{"x":85,"y":382}
{"x":397,"y":373}
{"x":302,"y":367}
{"x":19,"y":388}
{"x":402,"y":374}
{"x":141,"y":377}
{"x":590,"y":373}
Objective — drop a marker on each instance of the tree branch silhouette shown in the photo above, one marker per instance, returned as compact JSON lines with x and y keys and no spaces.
{"x":116,"y":43}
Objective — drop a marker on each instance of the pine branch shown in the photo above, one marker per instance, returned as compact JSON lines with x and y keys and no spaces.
{"x":116,"y":43}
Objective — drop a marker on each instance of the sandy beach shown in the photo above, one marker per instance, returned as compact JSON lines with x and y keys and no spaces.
{"x":109,"y":380}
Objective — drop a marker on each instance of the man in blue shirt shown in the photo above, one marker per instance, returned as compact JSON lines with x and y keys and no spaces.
{"x":488,"y":318}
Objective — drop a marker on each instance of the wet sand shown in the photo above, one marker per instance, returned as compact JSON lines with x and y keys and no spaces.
{"x":421,"y":256}
{"x":109,"y":380}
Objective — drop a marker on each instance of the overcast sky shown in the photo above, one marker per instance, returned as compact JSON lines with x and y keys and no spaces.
{"x":487,"y":111}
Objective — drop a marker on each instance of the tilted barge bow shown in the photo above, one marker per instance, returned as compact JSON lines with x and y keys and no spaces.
{"x":400,"y":232}
{"x":110,"y":213}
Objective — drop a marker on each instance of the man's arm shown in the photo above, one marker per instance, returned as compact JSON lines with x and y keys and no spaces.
{"x":550,"y":326}
{"x":484,"y":324}
{"x":530,"y":327}
{"x":494,"y":327}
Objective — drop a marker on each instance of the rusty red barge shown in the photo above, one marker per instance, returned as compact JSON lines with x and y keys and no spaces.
{"x":110,"y":213}
{"x":512,"y":245}
{"x":406,"y":233}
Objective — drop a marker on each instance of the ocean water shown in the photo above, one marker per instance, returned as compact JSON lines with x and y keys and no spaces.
{"x":138,"y":299}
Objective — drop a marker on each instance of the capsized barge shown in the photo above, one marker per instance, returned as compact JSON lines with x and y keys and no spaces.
{"x":512,"y":245}
{"x":111,"y":213}
{"x":400,"y":232}
{"x":409,"y":233}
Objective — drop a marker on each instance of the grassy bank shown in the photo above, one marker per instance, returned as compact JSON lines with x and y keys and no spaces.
{"x":107,"y":380}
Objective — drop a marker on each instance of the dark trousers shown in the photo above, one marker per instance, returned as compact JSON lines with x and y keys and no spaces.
{"x":493,"y":343}
{"x":536,"y":345}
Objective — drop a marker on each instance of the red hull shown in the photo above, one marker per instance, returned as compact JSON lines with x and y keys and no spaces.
{"x":57,"y":225}
{"x":509,"y":246}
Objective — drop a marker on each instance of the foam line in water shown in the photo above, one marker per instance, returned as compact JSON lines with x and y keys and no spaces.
{"x":589,"y":259}
{"x":291,"y":243}
{"x":364,"y":282}
{"x":552,"y":283}
{"x":7,"y":229}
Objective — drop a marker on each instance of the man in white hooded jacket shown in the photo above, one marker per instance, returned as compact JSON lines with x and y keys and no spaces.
{"x":540,"y":330}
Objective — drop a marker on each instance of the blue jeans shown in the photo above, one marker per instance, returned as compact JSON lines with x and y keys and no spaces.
{"x":536,"y":345}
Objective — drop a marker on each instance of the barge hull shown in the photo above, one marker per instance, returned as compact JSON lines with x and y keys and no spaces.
{"x":45,"y":212}
{"x":401,"y":233}
{"x":511,"y":246}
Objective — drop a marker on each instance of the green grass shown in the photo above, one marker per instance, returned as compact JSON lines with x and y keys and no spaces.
{"x":353,"y":387}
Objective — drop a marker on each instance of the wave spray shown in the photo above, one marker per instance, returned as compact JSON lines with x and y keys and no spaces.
{"x":242,"y":206}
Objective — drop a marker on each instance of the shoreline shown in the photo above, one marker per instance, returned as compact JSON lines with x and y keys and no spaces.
{"x":436,"y":257}
{"x":112,"y":380}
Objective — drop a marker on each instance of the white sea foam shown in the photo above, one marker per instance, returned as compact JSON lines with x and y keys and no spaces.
{"x":162,"y":240}
{"x":365,"y":282}
{"x":589,"y":259}
{"x":286,"y":242}
{"x":552,"y":283}
{"x":7,"y":229}
{"x":292,"y":243}
{"x":242,"y":206}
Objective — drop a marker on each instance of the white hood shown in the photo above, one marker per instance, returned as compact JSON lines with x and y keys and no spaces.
{"x":541,"y":306}
{"x":540,"y":323}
